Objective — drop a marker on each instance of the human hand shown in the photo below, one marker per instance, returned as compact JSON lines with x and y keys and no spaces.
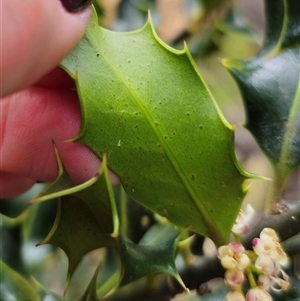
{"x":37,"y":114}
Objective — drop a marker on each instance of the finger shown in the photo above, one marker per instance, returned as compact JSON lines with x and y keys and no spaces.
{"x":36,"y":40}
{"x":12,"y":185}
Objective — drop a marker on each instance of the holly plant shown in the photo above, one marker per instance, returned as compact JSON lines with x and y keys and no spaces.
{"x":180,"y":226}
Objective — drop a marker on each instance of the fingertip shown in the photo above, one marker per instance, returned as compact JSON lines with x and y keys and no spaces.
{"x":36,"y":40}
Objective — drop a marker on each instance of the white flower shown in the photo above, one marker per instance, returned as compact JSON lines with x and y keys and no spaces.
{"x":265,"y":264}
{"x":241,"y":225}
{"x":233,"y":256}
{"x":273,"y":281}
{"x":234,"y":296}
{"x":257,"y":294}
{"x":270,"y":257}
{"x":268,"y":244}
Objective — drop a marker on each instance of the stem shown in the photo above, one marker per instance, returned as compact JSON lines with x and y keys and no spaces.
{"x":237,"y":238}
{"x":250,"y":277}
{"x":274,"y":196}
{"x":286,"y":224}
{"x":124,"y":211}
{"x":292,"y":245}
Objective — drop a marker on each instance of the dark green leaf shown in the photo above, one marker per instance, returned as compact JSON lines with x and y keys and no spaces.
{"x":85,"y":220}
{"x":142,"y":260}
{"x":291,"y":36}
{"x":77,"y":231}
{"x":270,"y":86}
{"x":274,"y":12}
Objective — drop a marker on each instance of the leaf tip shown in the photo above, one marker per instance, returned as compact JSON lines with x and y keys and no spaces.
{"x":230,"y":64}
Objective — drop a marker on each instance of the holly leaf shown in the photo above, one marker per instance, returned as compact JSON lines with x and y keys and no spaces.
{"x":142,"y":260}
{"x":85,"y":220}
{"x":270,"y":87}
{"x":146,"y":105}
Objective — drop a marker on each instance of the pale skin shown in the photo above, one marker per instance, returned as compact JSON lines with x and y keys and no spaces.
{"x":39,"y":107}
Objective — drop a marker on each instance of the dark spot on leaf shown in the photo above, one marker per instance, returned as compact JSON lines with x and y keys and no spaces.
{"x":193,"y":177}
{"x":97,"y":54}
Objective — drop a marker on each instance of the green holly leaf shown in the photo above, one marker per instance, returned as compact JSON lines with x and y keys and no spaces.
{"x":85,"y":220}
{"x":146,"y":259}
{"x":270,"y":86}
{"x":146,"y":105}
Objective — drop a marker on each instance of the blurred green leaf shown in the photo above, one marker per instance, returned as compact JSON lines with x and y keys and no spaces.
{"x":158,"y":233}
{"x":109,"y":274}
{"x":14,"y":287}
{"x":235,"y":24}
{"x":90,"y":294}
{"x":146,"y":105}
{"x":217,"y":295}
{"x":44,"y":293}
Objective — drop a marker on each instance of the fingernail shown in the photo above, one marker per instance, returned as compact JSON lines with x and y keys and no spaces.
{"x":73,"y":6}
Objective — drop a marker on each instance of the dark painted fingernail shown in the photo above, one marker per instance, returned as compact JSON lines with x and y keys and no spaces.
{"x":75,"y":5}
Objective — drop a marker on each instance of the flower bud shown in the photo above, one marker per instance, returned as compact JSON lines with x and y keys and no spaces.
{"x":234,"y":278}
